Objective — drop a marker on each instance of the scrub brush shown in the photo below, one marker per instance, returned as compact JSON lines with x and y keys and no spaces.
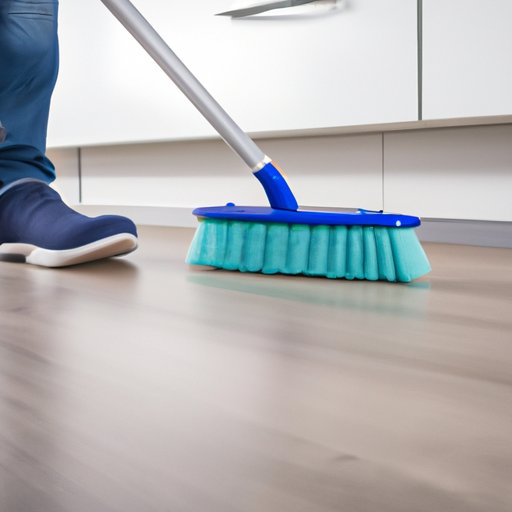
{"x":281,"y":238}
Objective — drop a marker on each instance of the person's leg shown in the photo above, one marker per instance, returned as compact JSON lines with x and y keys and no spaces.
{"x":29,"y":64}
{"x":34,"y":221}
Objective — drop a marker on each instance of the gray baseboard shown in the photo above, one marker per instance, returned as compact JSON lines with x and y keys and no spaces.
{"x":450,"y":231}
{"x":466,"y":232}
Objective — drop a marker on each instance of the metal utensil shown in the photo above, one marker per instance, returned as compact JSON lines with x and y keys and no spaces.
{"x":267,"y":6}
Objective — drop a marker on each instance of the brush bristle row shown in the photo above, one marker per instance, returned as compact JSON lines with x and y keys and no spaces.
{"x":349,"y":252}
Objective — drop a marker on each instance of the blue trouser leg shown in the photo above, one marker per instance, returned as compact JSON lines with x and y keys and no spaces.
{"x":34,"y":221}
{"x":29,"y":60}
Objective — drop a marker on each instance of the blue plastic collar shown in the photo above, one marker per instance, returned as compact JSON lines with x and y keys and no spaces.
{"x":278,"y":192}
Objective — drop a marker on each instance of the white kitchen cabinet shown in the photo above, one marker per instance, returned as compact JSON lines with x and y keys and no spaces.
{"x":467,"y":58}
{"x":354,"y":66}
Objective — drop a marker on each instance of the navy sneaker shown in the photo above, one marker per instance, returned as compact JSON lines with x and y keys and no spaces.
{"x":36,"y":224}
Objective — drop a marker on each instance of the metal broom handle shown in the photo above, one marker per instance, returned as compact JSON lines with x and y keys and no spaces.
{"x":158,"y":49}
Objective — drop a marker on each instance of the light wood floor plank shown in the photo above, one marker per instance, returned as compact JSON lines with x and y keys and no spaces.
{"x":139,"y":384}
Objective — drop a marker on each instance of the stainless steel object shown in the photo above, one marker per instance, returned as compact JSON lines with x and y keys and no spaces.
{"x":264,"y":7}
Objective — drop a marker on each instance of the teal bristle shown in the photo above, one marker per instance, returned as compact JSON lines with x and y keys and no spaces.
{"x":371,"y":264}
{"x":298,"y":248}
{"x":234,"y":244}
{"x":318,"y":251}
{"x":355,"y":253}
{"x":385,"y":254}
{"x":253,"y":252}
{"x":350,"y":252}
{"x":336,"y":263}
{"x":276,"y":249}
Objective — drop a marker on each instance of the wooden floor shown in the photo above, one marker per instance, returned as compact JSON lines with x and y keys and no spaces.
{"x":138,"y":384}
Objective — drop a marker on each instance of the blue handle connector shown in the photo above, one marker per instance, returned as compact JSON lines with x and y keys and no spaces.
{"x":278,"y":192}
{"x":284,"y":209}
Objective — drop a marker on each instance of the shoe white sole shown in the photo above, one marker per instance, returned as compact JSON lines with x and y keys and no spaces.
{"x":115,"y":245}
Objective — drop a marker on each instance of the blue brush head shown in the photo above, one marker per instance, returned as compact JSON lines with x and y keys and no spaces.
{"x":313,"y":218}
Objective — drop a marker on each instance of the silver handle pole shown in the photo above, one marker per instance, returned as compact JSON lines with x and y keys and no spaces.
{"x":158,"y":49}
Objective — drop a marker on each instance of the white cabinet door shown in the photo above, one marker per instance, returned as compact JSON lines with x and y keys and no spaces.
{"x":467,"y":58}
{"x":354,"y":66}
